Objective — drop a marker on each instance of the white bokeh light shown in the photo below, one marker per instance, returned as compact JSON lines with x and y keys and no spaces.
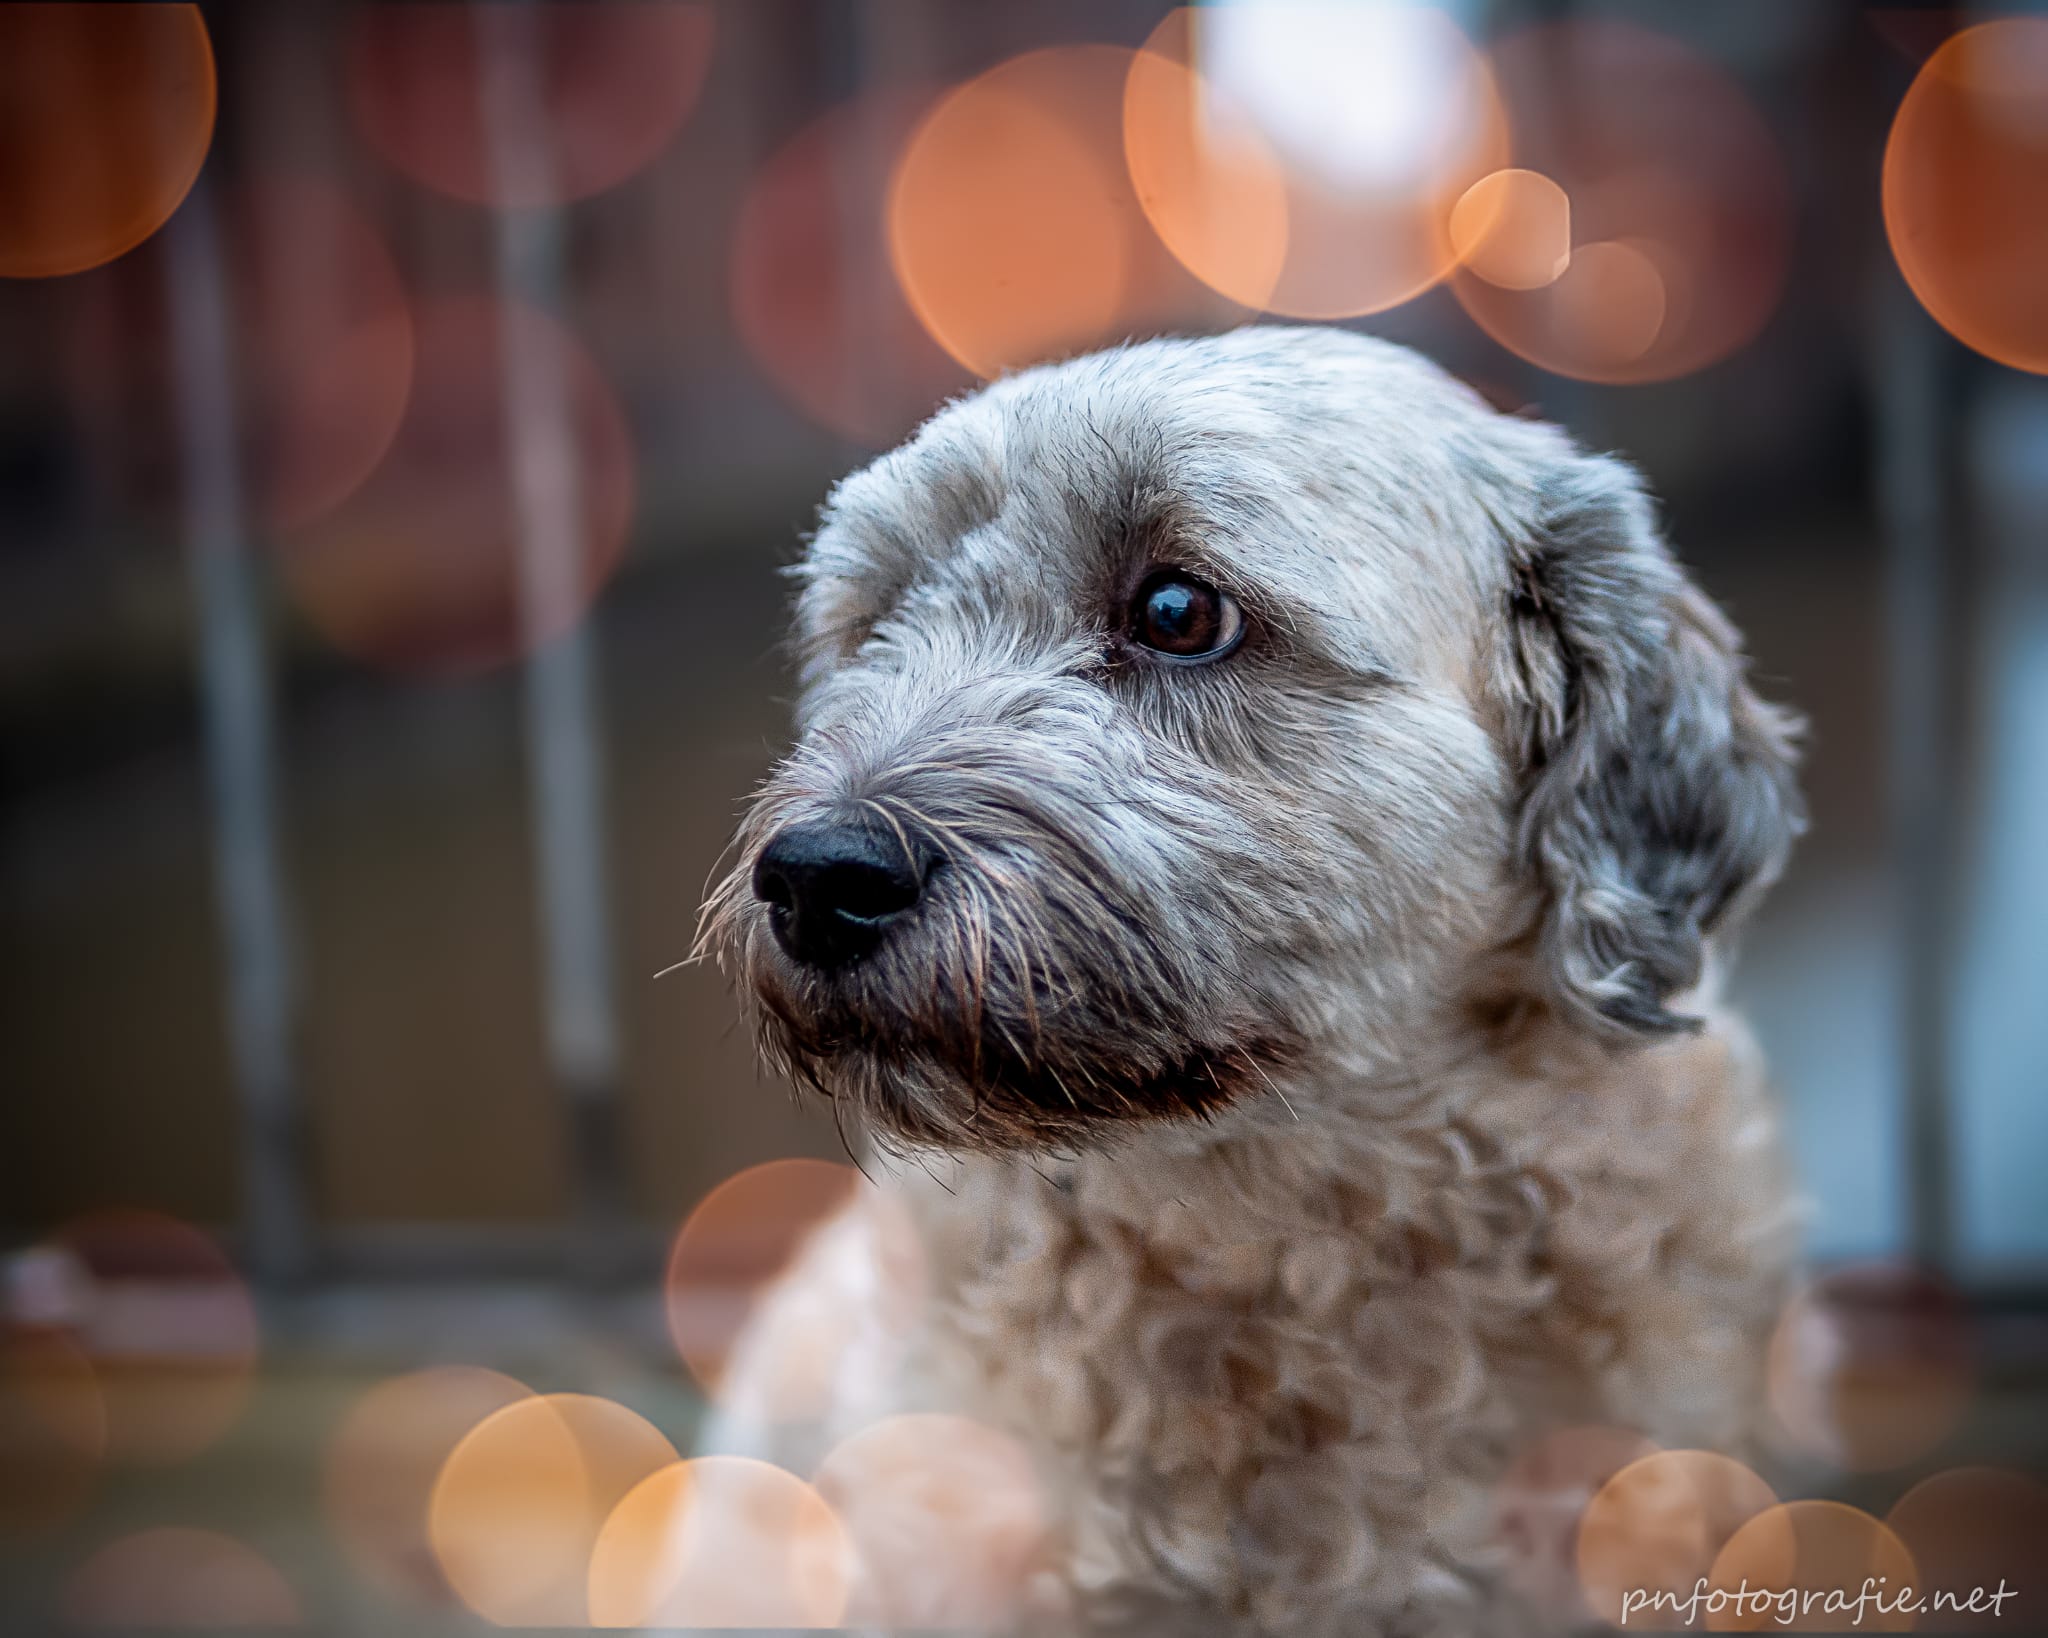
{"x":1359,"y":96}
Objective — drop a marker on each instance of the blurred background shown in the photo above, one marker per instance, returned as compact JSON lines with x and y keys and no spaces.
{"x":405,"y":411}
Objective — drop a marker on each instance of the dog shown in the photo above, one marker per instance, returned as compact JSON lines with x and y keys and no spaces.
{"x":1261,"y":840}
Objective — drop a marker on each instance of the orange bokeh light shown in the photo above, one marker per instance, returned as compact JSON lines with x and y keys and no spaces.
{"x":947,"y":1520}
{"x":1973,"y":1527}
{"x":730,"y":1252}
{"x":1609,"y":306}
{"x":106,"y":115}
{"x":1871,"y":1366}
{"x":53,"y":1429}
{"x":1014,"y":228}
{"x":1209,"y":183}
{"x":1680,"y":209}
{"x":615,"y":85}
{"x":520,"y":1502}
{"x":170,"y":1330}
{"x":383,"y":1459}
{"x":420,"y":570}
{"x":178,"y":1578}
{"x":1513,"y":228}
{"x":1538,"y":1504}
{"x":1306,"y":159}
{"x":1825,"y":1552}
{"x":1659,"y":1524}
{"x":1966,"y":189}
{"x":1003,"y":225}
{"x":812,"y":293}
{"x":722,"y":1541}
{"x":326,"y":354}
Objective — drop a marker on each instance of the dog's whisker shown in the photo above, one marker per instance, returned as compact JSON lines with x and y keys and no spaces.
{"x":1258,"y":1069}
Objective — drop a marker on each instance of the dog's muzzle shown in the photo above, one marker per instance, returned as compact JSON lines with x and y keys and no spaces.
{"x":835,"y":887}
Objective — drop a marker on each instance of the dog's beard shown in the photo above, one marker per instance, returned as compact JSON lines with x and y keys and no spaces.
{"x":1024,"y":1009}
{"x":914,"y":1098}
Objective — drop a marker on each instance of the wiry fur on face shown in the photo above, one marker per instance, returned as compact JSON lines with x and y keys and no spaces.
{"x":1482,"y":746}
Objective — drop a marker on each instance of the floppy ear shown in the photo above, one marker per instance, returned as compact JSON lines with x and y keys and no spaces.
{"x":1657,"y":796}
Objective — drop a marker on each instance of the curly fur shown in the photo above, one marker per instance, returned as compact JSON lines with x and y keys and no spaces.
{"x":1303,"y":1071}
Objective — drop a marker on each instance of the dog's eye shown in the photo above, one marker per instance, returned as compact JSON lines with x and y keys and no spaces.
{"x":1184,"y":618}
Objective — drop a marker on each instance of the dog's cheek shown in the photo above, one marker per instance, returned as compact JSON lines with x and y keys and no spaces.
{"x":1409,"y":801}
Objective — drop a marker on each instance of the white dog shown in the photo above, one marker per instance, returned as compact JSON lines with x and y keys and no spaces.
{"x":1253,"y":862}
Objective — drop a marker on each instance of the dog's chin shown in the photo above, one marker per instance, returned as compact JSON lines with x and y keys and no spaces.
{"x":919,"y":1058}
{"x":990,"y":1098}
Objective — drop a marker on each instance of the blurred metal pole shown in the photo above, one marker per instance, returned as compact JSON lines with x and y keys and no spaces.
{"x":236,"y":704}
{"x":565,"y":759}
{"x":1912,"y":496}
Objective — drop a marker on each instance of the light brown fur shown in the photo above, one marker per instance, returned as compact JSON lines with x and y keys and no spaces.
{"x":1273,"y":1381}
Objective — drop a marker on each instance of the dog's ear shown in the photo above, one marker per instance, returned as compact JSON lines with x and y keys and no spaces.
{"x":1657,"y":798}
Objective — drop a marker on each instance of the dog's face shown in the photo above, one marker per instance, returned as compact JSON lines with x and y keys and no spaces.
{"x":1186,"y":727}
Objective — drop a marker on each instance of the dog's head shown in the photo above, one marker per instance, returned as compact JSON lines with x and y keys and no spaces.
{"x":1190,"y":725}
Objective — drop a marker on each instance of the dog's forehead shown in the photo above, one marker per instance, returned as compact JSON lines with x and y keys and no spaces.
{"x":1329,"y":470}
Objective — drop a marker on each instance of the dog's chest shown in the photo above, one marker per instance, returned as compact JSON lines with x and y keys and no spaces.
{"x":1228,"y":1397}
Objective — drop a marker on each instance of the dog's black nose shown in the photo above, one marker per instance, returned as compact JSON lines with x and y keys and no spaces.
{"x":833,"y":887}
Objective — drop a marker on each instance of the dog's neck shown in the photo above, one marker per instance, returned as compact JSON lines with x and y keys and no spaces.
{"x":1427,"y":1163}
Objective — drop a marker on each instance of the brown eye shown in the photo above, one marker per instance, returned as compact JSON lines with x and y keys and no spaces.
{"x":1184,"y":618}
